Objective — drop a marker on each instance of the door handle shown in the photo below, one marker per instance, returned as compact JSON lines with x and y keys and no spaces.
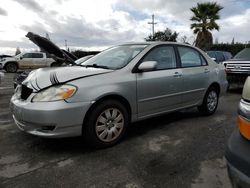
{"x":206,"y":70}
{"x":177,"y":74}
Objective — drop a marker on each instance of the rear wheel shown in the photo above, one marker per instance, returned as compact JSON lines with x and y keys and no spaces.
{"x":210,"y":102}
{"x":11,"y":67}
{"x":106,"y":125}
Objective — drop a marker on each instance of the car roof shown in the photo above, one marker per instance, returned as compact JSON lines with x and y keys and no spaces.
{"x":216,"y":51}
{"x":154,"y":42}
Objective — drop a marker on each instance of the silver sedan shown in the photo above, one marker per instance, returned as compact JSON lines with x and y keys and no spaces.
{"x":123,"y":84}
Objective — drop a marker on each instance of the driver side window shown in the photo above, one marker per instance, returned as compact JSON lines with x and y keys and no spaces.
{"x":164,"y":56}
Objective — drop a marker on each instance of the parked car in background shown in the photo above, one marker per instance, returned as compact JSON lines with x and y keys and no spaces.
{"x":219,"y":56}
{"x":54,"y":56}
{"x":60,"y":56}
{"x":238,"y":68}
{"x":30,"y":60}
{"x":122,"y":84}
{"x":238,"y":147}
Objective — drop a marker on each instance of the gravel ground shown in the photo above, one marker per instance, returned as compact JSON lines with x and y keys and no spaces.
{"x":182,"y":149}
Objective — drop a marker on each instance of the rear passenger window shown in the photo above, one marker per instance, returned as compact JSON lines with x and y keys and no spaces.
{"x":190,"y":57}
{"x":37,"y":55}
{"x":164,"y":56}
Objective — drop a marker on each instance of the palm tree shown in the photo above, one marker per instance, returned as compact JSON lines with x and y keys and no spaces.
{"x":205,"y":15}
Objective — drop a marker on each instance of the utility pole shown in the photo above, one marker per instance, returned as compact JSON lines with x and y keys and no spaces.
{"x":66,"y":47}
{"x":153,"y":25}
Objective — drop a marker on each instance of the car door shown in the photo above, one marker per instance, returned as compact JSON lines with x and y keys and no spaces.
{"x":195,"y":72}
{"x":38,"y":60}
{"x":25,"y":61}
{"x":158,"y":90}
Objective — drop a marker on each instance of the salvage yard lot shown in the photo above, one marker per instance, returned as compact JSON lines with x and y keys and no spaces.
{"x":182,"y":149}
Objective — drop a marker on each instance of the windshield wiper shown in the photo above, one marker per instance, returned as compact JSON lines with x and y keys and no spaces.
{"x":96,"y":66}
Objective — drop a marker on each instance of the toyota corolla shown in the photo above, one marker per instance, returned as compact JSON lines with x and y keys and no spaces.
{"x":126,"y":83}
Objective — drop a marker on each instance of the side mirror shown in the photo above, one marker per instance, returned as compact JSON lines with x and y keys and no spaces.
{"x":21,"y":57}
{"x":147,"y":66}
{"x":213,"y":58}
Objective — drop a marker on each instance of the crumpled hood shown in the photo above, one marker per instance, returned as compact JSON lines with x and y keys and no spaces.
{"x":45,"y":77}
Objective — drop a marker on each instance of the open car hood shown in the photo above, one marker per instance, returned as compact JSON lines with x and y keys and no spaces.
{"x":58,"y":54}
{"x":45,"y":77}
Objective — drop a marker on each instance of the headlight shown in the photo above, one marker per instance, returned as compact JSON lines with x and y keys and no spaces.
{"x":18,"y":92}
{"x":55,"y":93}
{"x":2,"y":60}
{"x":244,"y":109}
{"x":244,"y":119}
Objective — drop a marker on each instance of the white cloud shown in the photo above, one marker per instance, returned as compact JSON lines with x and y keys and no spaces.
{"x":97,"y":24}
{"x":236,"y":27}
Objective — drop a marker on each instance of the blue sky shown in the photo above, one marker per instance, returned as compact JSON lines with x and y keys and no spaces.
{"x":98,"y":24}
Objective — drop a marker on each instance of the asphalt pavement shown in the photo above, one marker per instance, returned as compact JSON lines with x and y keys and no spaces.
{"x":181,"y":149}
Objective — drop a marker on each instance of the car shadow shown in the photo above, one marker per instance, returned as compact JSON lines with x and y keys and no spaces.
{"x":159,"y":122}
{"x":77,"y":144}
{"x":235,"y":90}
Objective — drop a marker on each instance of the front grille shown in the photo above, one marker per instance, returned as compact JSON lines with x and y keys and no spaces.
{"x":25,"y":92}
{"x":238,"y":68}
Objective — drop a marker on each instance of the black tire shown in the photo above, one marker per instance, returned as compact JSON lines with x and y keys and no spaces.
{"x":210,"y":102}
{"x":11,"y":67}
{"x":90,"y":133}
{"x":55,"y":64}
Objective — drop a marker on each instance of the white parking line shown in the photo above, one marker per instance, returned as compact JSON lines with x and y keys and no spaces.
{"x":3,"y":88}
{"x":6,"y":121}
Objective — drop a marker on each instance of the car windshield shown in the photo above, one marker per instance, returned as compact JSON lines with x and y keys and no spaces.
{"x":244,"y":54}
{"x":115,"y":57}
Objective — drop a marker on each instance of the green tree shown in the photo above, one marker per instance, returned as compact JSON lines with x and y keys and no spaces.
{"x":204,"y":18}
{"x":166,"y":35}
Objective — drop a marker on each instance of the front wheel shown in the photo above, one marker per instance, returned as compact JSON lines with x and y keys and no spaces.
{"x":210,"y":102}
{"x":11,"y":67}
{"x":106,"y":125}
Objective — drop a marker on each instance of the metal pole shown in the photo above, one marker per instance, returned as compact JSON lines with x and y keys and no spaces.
{"x":153,"y":23}
{"x":66,"y":45}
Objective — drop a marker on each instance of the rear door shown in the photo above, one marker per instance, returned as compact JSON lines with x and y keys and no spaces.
{"x":195,"y":71}
{"x":25,"y":61}
{"x":158,"y":90}
{"x":38,"y":60}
